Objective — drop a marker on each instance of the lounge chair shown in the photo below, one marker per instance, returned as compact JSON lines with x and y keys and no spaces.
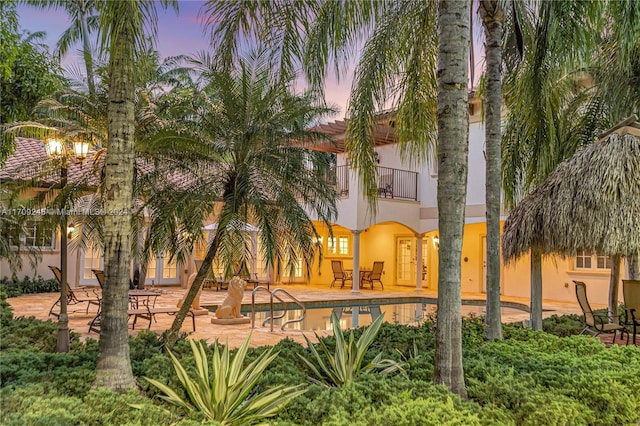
{"x":339,"y":273}
{"x":594,"y":323}
{"x":79,"y":296}
{"x":374,"y":275}
{"x":99,"y":273}
{"x":631,"y":293}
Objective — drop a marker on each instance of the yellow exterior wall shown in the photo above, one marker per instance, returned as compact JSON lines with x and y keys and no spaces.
{"x":379,"y":243}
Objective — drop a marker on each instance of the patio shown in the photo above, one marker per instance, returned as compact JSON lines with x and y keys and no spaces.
{"x":38,"y":305}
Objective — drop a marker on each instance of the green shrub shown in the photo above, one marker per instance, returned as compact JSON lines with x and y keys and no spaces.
{"x":34,"y":405}
{"x":29,"y":286}
{"x":286,"y":369}
{"x":72,"y":372}
{"x":31,"y":334}
{"x":403,"y":410}
{"x":529,"y":378}
{"x":576,"y":376}
{"x":563,"y":325}
{"x":552,"y":409}
{"x":6,"y":312}
{"x":400,"y":342}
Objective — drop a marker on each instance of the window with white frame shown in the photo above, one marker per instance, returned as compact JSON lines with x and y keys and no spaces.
{"x":34,"y":234}
{"x":338,"y":245}
{"x":261,"y":262}
{"x":151,"y":269}
{"x":200,"y":249}
{"x":588,"y":260}
{"x":433,"y":165}
{"x":92,"y":260}
{"x":295,"y":273}
{"x":169,"y":268}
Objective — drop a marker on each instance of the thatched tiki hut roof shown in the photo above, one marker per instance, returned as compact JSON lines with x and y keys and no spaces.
{"x":590,"y":202}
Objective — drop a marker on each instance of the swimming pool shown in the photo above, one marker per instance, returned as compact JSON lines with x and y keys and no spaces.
{"x":319,"y":318}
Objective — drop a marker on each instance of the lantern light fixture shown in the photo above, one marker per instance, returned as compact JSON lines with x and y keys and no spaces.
{"x":54,"y":147}
{"x":80,"y":149}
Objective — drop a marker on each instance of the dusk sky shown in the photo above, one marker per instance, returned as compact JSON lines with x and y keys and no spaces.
{"x":178,"y":34}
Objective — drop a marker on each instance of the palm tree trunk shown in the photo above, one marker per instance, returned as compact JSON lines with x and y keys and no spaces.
{"x":453,"y":150}
{"x":493,"y":17}
{"x":86,"y":50}
{"x":633,"y":267}
{"x":172,"y":336}
{"x":113,"y":369}
{"x":614,"y":287}
{"x":536,"y":290}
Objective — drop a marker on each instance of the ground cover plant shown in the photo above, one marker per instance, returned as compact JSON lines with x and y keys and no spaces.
{"x":530,"y":378}
{"x":27,"y":285}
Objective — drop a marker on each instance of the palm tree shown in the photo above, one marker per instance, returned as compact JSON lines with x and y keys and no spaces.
{"x":453,"y":150}
{"x":122,"y":25}
{"x":73,"y":114}
{"x":397,"y":67}
{"x":617,"y":82}
{"x":83,"y":22}
{"x":493,"y":16}
{"x":249,"y":131}
{"x":544,"y":98}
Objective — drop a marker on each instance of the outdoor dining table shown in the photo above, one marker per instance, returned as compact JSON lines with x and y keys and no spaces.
{"x":365,"y":272}
{"x":137,"y":299}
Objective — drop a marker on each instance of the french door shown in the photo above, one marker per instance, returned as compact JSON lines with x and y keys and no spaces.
{"x":405,"y":261}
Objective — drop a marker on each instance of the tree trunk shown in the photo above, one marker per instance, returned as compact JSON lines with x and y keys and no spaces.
{"x":633,"y":268}
{"x":172,"y":336}
{"x":113,"y":368}
{"x":536,"y":290}
{"x":86,"y":51}
{"x":453,"y":149}
{"x":493,"y":17}
{"x":614,"y":288}
{"x":139,"y":269}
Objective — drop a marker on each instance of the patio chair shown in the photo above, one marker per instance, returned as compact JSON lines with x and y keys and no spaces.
{"x":339,"y":273}
{"x":386,"y":190}
{"x":374,"y":275}
{"x":81,"y":295}
{"x":99,"y":273}
{"x":631,"y":293}
{"x":594,"y":323}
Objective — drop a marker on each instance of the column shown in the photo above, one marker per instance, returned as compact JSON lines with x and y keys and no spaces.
{"x":419,"y":262}
{"x":355,"y":288}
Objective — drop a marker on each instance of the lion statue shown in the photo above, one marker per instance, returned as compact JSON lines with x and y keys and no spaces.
{"x":230,"y":307}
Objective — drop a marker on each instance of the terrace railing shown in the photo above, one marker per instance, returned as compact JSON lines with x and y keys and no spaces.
{"x":397,"y":184}
{"x":342,"y":180}
{"x":392,"y":183}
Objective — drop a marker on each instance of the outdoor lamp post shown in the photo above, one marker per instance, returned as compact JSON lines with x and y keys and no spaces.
{"x":57,"y":149}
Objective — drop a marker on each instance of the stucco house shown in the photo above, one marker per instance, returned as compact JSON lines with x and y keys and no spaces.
{"x":403,"y":233}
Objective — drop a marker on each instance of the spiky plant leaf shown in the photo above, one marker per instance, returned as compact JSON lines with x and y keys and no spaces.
{"x":224,"y":394}
{"x":345,"y":363}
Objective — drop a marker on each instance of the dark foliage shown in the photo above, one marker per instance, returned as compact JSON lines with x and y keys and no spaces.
{"x":28,"y":286}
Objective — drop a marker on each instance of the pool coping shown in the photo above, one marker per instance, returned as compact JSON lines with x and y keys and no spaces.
{"x":346,"y":302}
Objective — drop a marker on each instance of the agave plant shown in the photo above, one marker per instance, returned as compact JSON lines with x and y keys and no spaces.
{"x":223,"y":393}
{"x":346,"y":363}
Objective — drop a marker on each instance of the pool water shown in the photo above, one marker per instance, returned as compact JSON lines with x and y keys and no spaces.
{"x":357,"y":316}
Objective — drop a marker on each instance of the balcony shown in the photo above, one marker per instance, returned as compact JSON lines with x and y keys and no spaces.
{"x":392,"y":183}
